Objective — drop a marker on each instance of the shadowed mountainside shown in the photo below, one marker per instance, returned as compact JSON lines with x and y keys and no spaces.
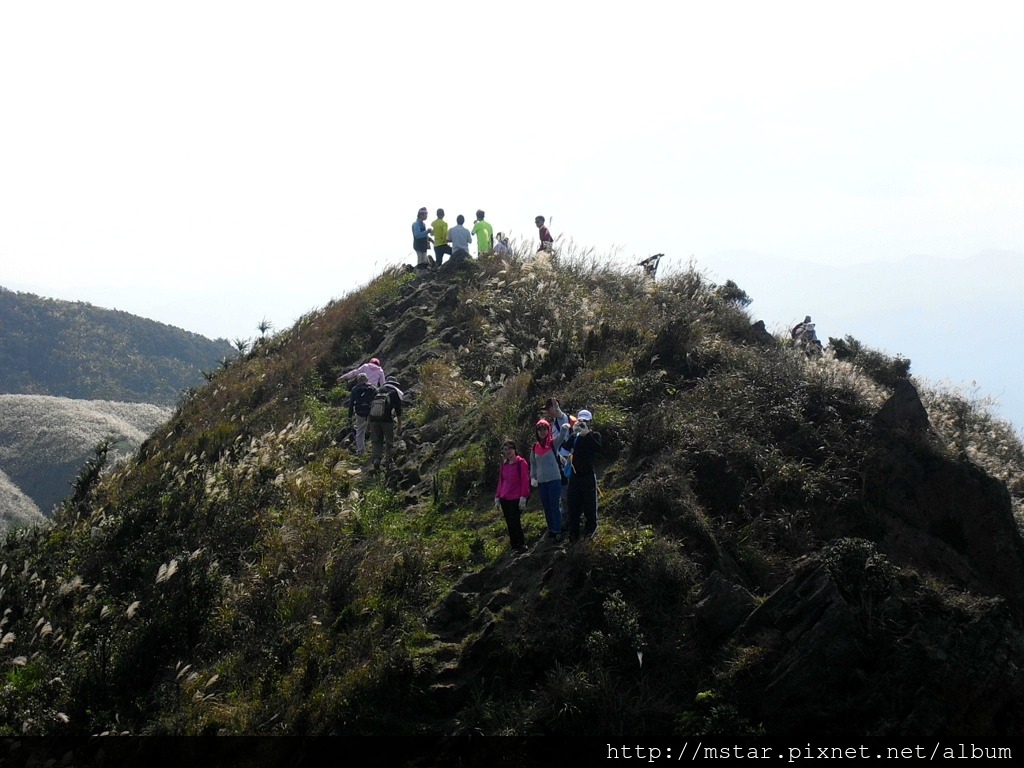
{"x":786,"y":546}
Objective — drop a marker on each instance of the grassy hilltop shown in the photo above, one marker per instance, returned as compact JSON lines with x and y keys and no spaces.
{"x":785,"y":547}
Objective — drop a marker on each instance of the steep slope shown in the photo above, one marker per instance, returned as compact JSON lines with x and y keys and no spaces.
{"x":76,"y":350}
{"x":45,"y":440}
{"x":784,"y":545}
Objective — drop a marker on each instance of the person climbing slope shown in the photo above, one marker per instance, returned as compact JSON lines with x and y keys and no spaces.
{"x":359,"y":409}
{"x":373,"y":370}
{"x":558,"y":418}
{"x":384,"y":421}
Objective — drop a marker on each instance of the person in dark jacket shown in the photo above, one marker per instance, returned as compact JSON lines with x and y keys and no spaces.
{"x":582,"y":444}
{"x":385,"y":411}
{"x":359,"y":409}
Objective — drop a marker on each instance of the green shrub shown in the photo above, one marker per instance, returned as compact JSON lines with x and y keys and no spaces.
{"x":882,"y":368}
{"x":462,"y":472}
{"x":859,"y":570}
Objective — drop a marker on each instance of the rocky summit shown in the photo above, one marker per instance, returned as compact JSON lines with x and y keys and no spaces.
{"x":786,"y":547}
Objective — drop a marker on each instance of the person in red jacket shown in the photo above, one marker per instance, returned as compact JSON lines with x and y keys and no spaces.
{"x":547,"y":242}
{"x":513,"y":489}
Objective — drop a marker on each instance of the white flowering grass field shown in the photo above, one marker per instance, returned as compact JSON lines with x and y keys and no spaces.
{"x":44,"y":440}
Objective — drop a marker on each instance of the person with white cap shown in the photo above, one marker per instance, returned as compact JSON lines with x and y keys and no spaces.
{"x":582,"y":443}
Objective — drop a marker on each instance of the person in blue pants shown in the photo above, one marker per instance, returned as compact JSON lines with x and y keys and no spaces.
{"x":546,"y":476}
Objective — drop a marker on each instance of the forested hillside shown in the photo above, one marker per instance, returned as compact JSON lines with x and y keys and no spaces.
{"x":76,"y":350}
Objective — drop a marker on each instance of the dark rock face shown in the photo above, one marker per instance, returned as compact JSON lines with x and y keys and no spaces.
{"x":819,"y":640}
{"x":948,"y":517}
{"x":761,"y":336}
{"x":831,"y":663}
{"x":722,"y":606}
{"x":936,"y":513}
{"x":455,"y":263}
{"x":904,"y":410}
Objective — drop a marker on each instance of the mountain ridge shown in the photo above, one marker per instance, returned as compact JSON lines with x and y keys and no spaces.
{"x":785,"y":547}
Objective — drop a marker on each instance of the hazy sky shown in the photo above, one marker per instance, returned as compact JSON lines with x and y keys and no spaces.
{"x":208,"y":164}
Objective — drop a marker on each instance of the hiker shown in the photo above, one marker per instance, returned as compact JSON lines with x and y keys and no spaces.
{"x":440,"y":229}
{"x":555,"y":415}
{"x":421,"y":239}
{"x":460,"y":237}
{"x":484,"y":235}
{"x":501,"y":245}
{"x":513,"y":489}
{"x":806,"y":338}
{"x":558,"y":419}
{"x":359,"y":409}
{"x":650,"y":265}
{"x":373,"y":370}
{"x":546,"y":476}
{"x":392,"y":382}
{"x":384,"y":421}
{"x":800,"y":329}
{"x":582,"y":443}
{"x":547,"y":242}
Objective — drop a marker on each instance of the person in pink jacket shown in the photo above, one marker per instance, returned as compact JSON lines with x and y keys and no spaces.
{"x":513,"y":489}
{"x":373,"y":370}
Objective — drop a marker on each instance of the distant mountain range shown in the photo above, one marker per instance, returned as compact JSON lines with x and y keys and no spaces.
{"x":76,"y":350}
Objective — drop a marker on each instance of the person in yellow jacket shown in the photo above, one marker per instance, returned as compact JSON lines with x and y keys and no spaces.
{"x":441,"y":246}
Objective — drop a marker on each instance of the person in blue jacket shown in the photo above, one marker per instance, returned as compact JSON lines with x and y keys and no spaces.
{"x":421,"y":239}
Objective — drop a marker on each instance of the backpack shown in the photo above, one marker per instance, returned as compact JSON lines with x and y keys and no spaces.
{"x":382,"y":407}
{"x":362,"y":401}
{"x":564,"y":467}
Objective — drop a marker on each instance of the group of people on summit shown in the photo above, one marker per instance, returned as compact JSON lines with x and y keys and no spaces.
{"x":560,"y":466}
{"x":455,"y":241}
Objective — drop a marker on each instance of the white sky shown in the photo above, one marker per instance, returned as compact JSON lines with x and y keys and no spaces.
{"x":208,"y":164}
